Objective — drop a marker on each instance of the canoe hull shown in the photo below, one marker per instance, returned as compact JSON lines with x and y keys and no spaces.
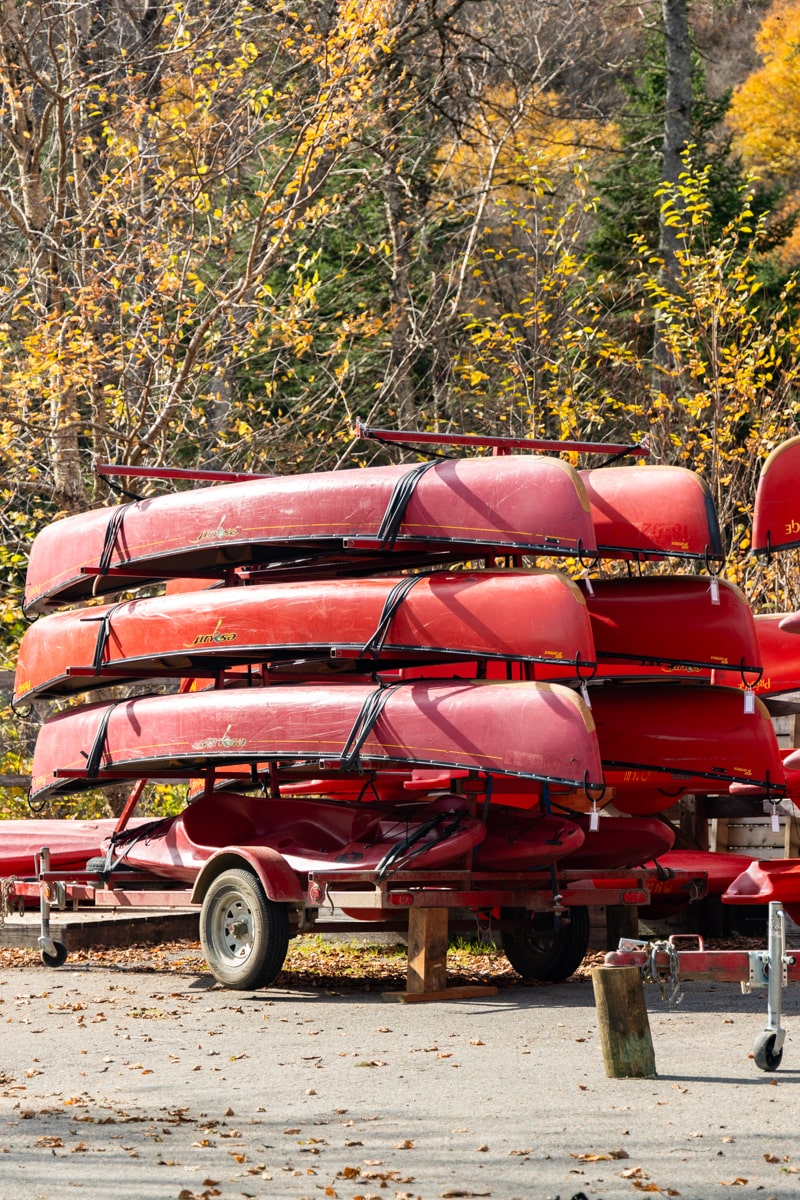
{"x":664,"y":736}
{"x":531,"y":616}
{"x":776,"y":514}
{"x":652,"y":512}
{"x":515,"y":504}
{"x":531,"y":730}
{"x":779,"y":655}
{"x":676,"y":625}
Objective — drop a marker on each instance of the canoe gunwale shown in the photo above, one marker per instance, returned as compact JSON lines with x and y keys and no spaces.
{"x":715,"y":774}
{"x":208,"y":665}
{"x":332,"y":767}
{"x":650,"y":660}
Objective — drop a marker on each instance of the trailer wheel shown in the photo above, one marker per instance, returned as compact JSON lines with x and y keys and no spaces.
{"x":764,"y":1053}
{"x":244,"y":935}
{"x":540,"y":947}
{"x":55,"y":960}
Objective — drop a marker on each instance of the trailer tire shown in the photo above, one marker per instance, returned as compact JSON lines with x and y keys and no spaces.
{"x":764,"y":1053}
{"x":55,"y":960}
{"x":539,"y":947}
{"x":244,"y":935}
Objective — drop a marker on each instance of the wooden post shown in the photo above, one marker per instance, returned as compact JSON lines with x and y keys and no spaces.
{"x":622,"y":1019}
{"x":427,"y":950}
{"x":622,"y":921}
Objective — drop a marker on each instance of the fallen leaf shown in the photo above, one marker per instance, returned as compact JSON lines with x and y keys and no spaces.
{"x":610,"y":1154}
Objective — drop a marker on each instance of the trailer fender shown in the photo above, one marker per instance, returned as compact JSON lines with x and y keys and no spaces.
{"x":279,"y":881}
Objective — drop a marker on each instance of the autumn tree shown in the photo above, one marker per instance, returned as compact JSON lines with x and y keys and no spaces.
{"x":765,"y":111}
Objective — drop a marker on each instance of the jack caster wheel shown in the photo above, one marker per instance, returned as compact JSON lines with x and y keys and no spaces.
{"x":55,"y":960}
{"x":767,"y":1058}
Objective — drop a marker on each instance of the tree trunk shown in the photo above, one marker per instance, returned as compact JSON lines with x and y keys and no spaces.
{"x":677,"y":134}
{"x":677,"y":113}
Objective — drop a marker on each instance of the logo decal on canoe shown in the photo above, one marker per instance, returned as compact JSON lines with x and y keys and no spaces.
{"x":215,"y":535}
{"x":215,"y":638}
{"x":226,"y":742}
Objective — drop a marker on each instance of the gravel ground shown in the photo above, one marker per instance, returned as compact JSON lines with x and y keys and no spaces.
{"x":138,"y":1075}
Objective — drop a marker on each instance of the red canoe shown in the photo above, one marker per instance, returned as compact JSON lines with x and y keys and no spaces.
{"x":776,"y":516}
{"x":529,"y":616}
{"x":533,"y":730}
{"x":652,"y":512}
{"x":779,"y":650}
{"x":517,"y":504}
{"x":328,"y":835}
{"x":656,"y":736}
{"x":675,"y":624}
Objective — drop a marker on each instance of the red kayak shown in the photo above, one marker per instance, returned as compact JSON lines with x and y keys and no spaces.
{"x":678,"y":625}
{"x":655,"y":736}
{"x":653,"y":512}
{"x":760,"y":882}
{"x":776,"y":516}
{"x":328,"y":835}
{"x":672,"y":891}
{"x":619,"y":842}
{"x":532,"y":730}
{"x":518,"y":504}
{"x":311,"y":835}
{"x":528,"y":616}
{"x":70,"y":844}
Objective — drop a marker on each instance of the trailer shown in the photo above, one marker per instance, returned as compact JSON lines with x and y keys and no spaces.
{"x":250,"y":904}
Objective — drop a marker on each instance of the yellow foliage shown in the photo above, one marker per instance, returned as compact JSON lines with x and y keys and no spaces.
{"x":764,"y":113}
{"x":517,"y":139}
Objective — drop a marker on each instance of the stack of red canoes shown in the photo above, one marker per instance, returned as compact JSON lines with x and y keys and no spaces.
{"x":776,"y":529}
{"x":335,"y":653}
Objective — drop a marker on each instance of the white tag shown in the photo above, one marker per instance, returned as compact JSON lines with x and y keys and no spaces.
{"x":585,"y":695}
{"x":714,"y":589}
{"x":594,"y":821}
{"x":776,"y":821}
{"x":749,"y":700}
{"x":589,"y":587}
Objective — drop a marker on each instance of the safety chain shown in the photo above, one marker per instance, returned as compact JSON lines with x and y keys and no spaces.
{"x":652,"y":974}
{"x":6,"y":887}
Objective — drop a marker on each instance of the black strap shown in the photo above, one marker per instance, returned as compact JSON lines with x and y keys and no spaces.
{"x":364,"y":723}
{"x":117,"y":487}
{"x":390,"y":606}
{"x":95,"y":754}
{"x":102,"y":635}
{"x":398,"y":503}
{"x":408,"y":848}
{"x":112,"y":530}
